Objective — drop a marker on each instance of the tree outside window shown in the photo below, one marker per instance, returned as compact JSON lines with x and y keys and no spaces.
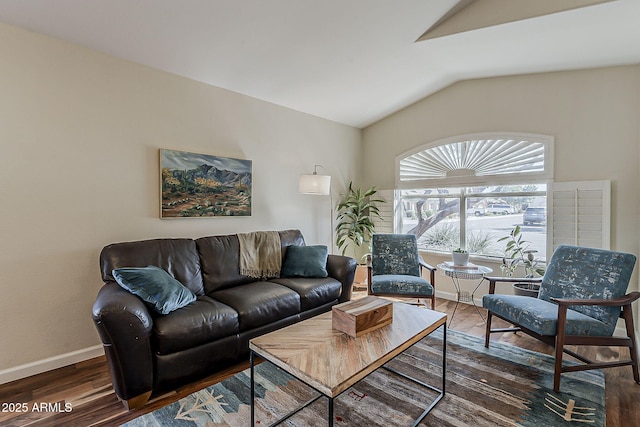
{"x":434,"y":216}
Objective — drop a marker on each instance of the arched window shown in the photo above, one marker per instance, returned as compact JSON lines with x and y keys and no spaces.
{"x":469,"y":191}
{"x":477,"y":158}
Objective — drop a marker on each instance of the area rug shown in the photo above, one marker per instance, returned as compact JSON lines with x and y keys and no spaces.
{"x":499,"y":386}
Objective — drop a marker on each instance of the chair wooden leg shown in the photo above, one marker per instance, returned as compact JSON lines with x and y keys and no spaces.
{"x":433,"y":302}
{"x":627,"y":314}
{"x":487,"y":333}
{"x":559,"y":350}
{"x":557,"y":369}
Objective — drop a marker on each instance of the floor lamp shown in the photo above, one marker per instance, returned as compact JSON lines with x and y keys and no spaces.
{"x":318,"y":185}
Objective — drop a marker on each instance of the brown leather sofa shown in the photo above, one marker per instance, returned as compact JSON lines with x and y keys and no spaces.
{"x":149,"y":353}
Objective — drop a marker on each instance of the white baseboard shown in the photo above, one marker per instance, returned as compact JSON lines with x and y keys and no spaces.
{"x":44,"y":365}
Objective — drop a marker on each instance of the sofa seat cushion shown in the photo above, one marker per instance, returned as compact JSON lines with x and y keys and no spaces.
{"x":313,"y":292}
{"x":200,"y":322}
{"x":541,"y":316}
{"x":259,"y":303}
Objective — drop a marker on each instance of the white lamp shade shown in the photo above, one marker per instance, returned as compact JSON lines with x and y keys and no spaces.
{"x":315,"y":184}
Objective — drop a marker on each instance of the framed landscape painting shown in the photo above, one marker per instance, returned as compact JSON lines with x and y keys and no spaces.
{"x":201,"y":185}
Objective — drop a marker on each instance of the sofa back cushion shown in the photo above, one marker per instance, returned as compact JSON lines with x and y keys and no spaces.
{"x":220,"y":259}
{"x":290,"y":238}
{"x":179,"y":257}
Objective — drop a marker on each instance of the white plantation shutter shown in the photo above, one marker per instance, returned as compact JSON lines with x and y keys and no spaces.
{"x":494,"y":157}
{"x":387,"y":209}
{"x":580,"y":214}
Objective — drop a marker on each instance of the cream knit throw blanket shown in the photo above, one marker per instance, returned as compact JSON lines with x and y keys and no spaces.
{"x":260,"y":254}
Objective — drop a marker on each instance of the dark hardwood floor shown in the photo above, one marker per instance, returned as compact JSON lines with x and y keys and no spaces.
{"x":86,"y":388}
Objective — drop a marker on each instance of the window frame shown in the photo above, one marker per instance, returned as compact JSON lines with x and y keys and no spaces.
{"x":464,"y":195}
{"x":601,"y":189}
{"x":467,"y":179}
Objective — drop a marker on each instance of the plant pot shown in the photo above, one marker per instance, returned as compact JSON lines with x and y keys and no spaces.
{"x":460,"y":258}
{"x":526,"y":289}
{"x":360,"y":279}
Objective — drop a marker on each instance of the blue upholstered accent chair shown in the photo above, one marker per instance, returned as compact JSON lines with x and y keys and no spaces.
{"x":396,"y":268}
{"x":582,"y":296}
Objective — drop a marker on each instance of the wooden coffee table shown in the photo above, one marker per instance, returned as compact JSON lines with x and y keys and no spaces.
{"x":331,"y":361}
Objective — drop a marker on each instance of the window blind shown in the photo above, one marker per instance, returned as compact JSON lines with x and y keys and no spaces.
{"x":387,"y":209}
{"x":580,"y":214}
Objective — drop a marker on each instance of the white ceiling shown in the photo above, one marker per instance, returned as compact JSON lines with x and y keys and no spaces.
{"x":351,"y":61}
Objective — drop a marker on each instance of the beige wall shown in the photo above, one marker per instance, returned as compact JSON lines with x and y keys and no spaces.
{"x":81,"y":131}
{"x":594,"y":116}
{"x":80,"y":136}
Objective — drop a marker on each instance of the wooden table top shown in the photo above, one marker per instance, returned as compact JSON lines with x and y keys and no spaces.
{"x":332,"y":361}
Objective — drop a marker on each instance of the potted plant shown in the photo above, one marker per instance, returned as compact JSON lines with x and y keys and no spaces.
{"x":361,"y":278}
{"x":460,"y":256}
{"x":356,"y":213}
{"x":517,"y":253}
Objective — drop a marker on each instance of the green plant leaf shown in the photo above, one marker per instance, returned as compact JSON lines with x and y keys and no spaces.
{"x":355,"y":215}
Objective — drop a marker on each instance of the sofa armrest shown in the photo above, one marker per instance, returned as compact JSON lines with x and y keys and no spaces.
{"x":343,"y":269}
{"x":124,"y":325}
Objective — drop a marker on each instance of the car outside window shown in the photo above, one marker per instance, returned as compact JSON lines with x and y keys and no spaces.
{"x":534,"y":215}
{"x":501,"y":209}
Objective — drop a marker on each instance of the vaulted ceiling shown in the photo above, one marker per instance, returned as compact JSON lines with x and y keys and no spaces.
{"x":351,"y":61}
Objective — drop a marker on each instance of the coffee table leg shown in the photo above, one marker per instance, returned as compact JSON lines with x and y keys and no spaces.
{"x":252,"y":389}
{"x":441,"y":391}
{"x":330,"y":412}
{"x":444,"y":358}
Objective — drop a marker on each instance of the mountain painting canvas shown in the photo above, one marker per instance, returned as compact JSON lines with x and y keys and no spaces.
{"x":201,"y":185}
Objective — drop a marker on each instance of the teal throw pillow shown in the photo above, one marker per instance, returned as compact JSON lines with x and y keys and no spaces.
{"x":305,"y":261}
{"x":155,"y":286}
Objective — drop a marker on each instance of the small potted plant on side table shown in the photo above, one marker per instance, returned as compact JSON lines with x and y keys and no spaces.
{"x":460,"y":256}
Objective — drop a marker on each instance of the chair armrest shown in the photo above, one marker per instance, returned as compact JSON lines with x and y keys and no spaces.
{"x":124,"y":325}
{"x":424,"y":264}
{"x":343,"y":269}
{"x":497,"y":279}
{"x":432,"y":272}
{"x":564,"y":303}
{"x":615,"y":302}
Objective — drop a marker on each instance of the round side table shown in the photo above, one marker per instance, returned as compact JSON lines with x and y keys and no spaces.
{"x":468,"y":272}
